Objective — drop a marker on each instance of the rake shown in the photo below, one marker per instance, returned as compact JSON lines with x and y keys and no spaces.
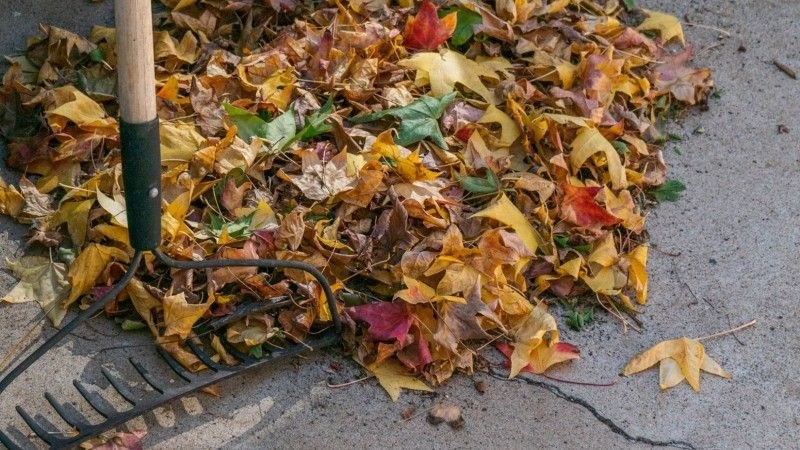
{"x":141,"y":162}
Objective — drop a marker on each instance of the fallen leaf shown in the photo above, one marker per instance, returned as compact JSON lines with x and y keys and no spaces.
{"x":580,"y":207}
{"x":503,"y":211}
{"x":387,"y":321}
{"x":89,"y":265}
{"x":426,"y":31}
{"x":394,"y":378}
{"x":40,"y":280}
{"x":666,"y":24}
{"x":680,"y":359}
{"x":180,"y":316}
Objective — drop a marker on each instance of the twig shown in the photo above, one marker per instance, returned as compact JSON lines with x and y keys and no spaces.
{"x":336,"y":386}
{"x":727,"y":332}
{"x":709,"y":27}
{"x":785,"y":69}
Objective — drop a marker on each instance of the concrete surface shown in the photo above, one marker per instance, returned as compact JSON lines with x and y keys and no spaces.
{"x":737,"y":233}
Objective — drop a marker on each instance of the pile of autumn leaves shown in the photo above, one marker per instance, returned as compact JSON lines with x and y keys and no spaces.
{"x":446,"y":167}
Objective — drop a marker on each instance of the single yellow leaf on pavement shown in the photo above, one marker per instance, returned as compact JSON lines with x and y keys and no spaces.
{"x":393,"y":377}
{"x":679,"y":358}
{"x":667,"y":25}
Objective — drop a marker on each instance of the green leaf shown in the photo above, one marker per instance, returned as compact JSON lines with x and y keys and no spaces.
{"x":669,"y":191}
{"x":237,"y":229}
{"x":315,"y":123}
{"x":279,"y":132}
{"x":629,"y":5}
{"x":132,"y":325}
{"x":257,"y":351}
{"x":561,"y":240}
{"x":578,"y":319}
{"x":418,"y":120}
{"x":465,"y":24}
{"x":476,"y":185}
{"x":621,"y":147}
{"x":97,"y":55}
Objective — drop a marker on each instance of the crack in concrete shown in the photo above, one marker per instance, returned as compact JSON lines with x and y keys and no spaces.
{"x":555,"y":390}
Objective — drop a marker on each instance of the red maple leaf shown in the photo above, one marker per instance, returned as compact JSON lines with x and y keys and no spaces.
{"x":579,"y":207}
{"x":426,"y":31}
{"x":387,"y":321}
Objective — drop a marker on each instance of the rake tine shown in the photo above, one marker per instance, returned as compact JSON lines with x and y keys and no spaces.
{"x":173,"y":364}
{"x":241,"y":356}
{"x":146,"y":375}
{"x":96,"y":401}
{"x":120,"y":387}
{"x":204,"y":356}
{"x":250,"y":308}
{"x":8,"y":443}
{"x":68,"y":413}
{"x":41,"y":429}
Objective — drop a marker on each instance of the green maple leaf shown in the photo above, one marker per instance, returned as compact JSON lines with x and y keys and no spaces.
{"x":669,"y":191}
{"x":418,"y":120}
{"x":465,"y":24}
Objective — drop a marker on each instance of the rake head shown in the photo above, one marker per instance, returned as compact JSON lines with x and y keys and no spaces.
{"x":163,"y":381}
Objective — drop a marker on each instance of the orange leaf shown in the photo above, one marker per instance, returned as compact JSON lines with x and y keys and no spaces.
{"x":426,"y":31}
{"x":579,"y":207}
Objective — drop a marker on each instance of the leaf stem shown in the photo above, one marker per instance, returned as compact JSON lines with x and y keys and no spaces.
{"x":727,"y":332}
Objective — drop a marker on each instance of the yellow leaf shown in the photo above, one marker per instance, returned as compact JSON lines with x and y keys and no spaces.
{"x":535,"y":343}
{"x":179,"y":141}
{"x":145,"y":303}
{"x":443,"y":70}
{"x":393,"y":378}
{"x":114,"y":206}
{"x":114,"y":232}
{"x":11,"y":200}
{"x":667,"y":25}
{"x":88,"y":266}
{"x":680,"y":359}
{"x":409,"y":165}
{"x":637,"y":272}
{"x":76,"y":216}
{"x":81,"y":110}
{"x":588,"y":142}
{"x":180,"y":316}
{"x":623,"y":207}
{"x":509,"y":129}
{"x":40,"y":280}
{"x":506,"y":213}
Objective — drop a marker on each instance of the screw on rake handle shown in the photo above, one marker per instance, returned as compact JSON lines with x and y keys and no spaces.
{"x":139,"y":137}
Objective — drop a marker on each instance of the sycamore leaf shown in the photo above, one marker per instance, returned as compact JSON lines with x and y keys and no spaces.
{"x":580,"y":208}
{"x":418,"y":120}
{"x":180,"y":316}
{"x":506,"y":213}
{"x":443,"y":70}
{"x":387,"y":321}
{"x":680,"y":359}
{"x":89,"y":265}
{"x":666,"y":24}
{"x":588,"y":142}
{"x":393,"y":377}
{"x":40,"y":280}
{"x":426,"y":31}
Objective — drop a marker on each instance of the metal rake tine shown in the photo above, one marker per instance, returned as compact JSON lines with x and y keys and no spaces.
{"x":121,"y":388}
{"x":49,"y":436}
{"x":144,"y":373}
{"x":241,"y":356}
{"x":216,"y":367}
{"x":8,"y":443}
{"x":173,"y":364}
{"x":96,"y":401}
{"x":68,"y":413}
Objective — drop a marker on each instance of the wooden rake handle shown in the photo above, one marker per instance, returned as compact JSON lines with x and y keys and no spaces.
{"x":139,"y":137}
